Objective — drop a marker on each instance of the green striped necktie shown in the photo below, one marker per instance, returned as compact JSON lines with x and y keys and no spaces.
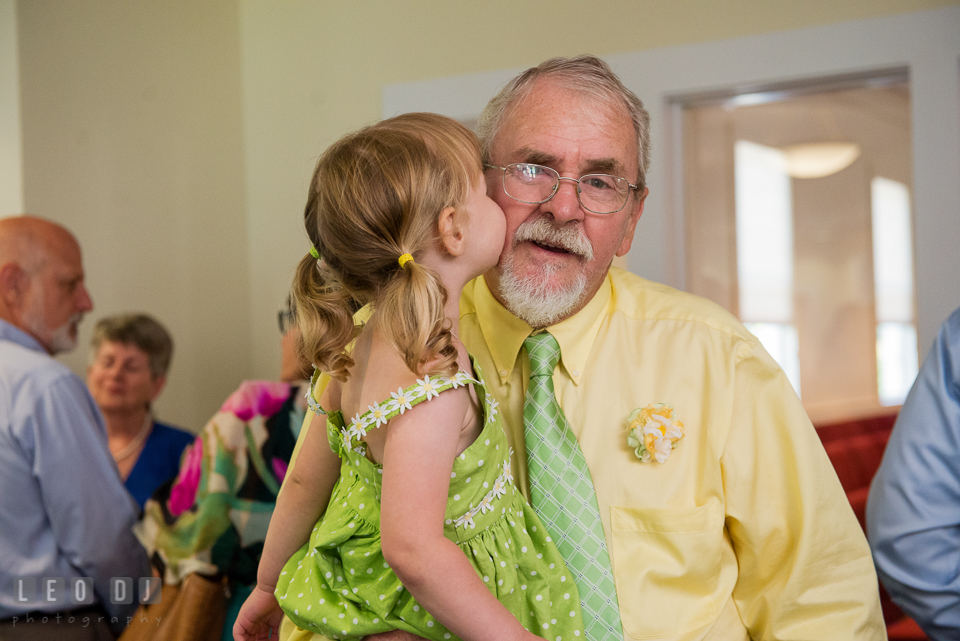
{"x":563,"y":494}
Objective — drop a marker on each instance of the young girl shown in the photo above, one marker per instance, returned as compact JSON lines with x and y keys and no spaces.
{"x":422,"y":529}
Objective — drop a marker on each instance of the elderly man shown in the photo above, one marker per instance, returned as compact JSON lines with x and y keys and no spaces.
{"x":720,"y":512}
{"x":64,"y":513}
{"x":661,"y":445}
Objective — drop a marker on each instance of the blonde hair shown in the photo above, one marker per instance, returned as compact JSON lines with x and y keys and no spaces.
{"x":375,"y":195}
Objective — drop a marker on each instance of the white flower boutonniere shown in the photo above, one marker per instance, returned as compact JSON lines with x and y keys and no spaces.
{"x":654,"y":432}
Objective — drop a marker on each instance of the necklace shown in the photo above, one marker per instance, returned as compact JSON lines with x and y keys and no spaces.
{"x":137,"y":441}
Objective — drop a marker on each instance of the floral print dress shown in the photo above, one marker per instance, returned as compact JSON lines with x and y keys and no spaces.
{"x":338,"y":583}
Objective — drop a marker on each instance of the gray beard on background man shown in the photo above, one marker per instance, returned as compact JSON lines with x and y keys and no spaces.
{"x":62,"y":339}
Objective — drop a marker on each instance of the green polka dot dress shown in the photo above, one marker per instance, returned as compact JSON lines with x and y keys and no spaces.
{"x":339,"y":585}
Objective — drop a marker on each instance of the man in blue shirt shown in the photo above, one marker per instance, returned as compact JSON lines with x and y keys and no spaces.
{"x":63,"y":511}
{"x":913,"y":514}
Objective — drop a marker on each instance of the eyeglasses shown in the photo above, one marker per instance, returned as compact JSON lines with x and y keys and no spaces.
{"x":535,"y":184}
{"x":287,"y":318}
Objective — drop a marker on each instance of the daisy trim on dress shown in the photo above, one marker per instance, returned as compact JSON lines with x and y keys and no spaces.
{"x":499,"y":488}
{"x":311,"y":401}
{"x":402,"y":400}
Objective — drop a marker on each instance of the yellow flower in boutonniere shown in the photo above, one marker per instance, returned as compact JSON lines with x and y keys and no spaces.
{"x":654,"y":432}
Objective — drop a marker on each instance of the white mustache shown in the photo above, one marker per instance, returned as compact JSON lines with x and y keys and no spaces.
{"x":570,"y":238}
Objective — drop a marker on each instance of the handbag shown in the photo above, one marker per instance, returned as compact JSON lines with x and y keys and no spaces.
{"x":195,"y":610}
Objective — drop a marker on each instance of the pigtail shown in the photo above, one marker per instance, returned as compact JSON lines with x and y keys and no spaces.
{"x":412,"y":319}
{"x":325,"y":317}
{"x":376,"y":195}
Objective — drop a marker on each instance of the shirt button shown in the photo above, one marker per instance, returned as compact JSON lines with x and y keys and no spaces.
{"x":576,"y":372}
{"x":503,"y":372}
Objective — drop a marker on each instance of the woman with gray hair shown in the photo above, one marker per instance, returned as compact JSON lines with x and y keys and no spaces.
{"x":129,"y":358}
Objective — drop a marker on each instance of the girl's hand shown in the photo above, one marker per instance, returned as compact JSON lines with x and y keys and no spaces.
{"x":259,"y":615}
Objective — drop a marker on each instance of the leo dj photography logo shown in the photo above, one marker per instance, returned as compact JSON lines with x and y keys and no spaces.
{"x":53,"y":601}
{"x":54,"y":591}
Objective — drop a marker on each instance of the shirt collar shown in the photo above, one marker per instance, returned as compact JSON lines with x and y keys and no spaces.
{"x":504,"y":333}
{"x":16,"y":335}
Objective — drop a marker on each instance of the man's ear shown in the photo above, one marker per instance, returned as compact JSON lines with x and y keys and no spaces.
{"x":631,"y":225}
{"x":451,"y":234}
{"x":12,"y":284}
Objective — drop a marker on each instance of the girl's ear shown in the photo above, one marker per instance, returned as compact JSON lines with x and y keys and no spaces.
{"x":451,"y":234}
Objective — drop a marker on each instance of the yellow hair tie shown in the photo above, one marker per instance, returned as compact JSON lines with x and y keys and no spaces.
{"x":314,"y":252}
{"x":404,"y":259}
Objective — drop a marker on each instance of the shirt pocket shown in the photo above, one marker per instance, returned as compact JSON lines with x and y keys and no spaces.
{"x":666,"y":563}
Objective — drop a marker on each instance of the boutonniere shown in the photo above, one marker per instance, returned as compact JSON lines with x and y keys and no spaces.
{"x":654,"y":432}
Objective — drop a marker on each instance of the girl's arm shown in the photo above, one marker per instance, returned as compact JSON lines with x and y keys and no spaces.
{"x":302,"y":499}
{"x":420,"y":447}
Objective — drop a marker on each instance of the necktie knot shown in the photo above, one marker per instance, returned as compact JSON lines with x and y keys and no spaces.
{"x":544,"y":352}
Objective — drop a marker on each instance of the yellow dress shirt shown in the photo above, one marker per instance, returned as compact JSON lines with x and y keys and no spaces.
{"x":744,"y":532}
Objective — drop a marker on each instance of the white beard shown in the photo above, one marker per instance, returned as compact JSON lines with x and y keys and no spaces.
{"x":534,"y":299}
{"x":59,"y":340}
{"x":63,"y":339}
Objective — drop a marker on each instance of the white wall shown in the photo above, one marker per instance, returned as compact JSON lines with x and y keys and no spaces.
{"x":132,"y":136}
{"x":11,"y":166}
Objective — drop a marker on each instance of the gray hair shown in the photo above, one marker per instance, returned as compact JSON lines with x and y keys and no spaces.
{"x":587,"y":75}
{"x":143,"y":332}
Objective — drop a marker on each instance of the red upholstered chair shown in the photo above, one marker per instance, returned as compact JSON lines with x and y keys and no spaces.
{"x":856,"y":448}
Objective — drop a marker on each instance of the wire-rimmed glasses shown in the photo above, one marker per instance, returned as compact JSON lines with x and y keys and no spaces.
{"x":536,"y":184}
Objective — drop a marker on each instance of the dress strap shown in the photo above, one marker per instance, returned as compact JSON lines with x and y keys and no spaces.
{"x":311,"y":401}
{"x":400,"y":401}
